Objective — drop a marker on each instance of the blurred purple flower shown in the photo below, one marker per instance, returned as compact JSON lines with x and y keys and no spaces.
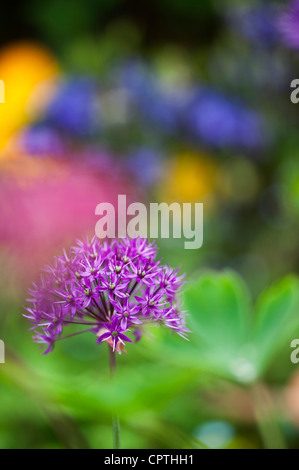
{"x":257,"y":23}
{"x":289,"y":25}
{"x":220,"y":122}
{"x":75,"y":108}
{"x":155,"y":106}
{"x":146,"y":165}
{"x":42,"y":140}
{"x":95,"y":286}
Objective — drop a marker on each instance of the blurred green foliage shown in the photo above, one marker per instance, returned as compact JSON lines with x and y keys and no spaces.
{"x":164,"y":385}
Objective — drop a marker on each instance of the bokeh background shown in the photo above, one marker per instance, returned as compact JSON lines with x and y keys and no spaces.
{"x":166,"y":100}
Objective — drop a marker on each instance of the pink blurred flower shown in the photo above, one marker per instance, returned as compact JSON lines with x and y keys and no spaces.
{"x":46,"y":202}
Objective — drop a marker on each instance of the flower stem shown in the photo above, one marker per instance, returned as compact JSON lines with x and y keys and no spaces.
{"x":115,"y":418}
{"x":265,"y":417}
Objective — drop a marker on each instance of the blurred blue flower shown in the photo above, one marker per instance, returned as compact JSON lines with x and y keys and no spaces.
{"x":75,"y":107}
{"x":133,"y":76}
{"x":42,"y":140}
{"x":155,"y":106}
{"x":146,"y":165}
{"x":221,"y":122}
{"x":257,"y":23}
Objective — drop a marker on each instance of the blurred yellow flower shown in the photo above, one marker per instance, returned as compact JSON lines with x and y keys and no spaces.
{"x":190,"y":178}
{"x":23,"y":66}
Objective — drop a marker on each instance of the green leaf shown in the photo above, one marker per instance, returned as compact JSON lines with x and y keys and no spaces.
{"x":277,"y":320}
{"x":219,"y":308}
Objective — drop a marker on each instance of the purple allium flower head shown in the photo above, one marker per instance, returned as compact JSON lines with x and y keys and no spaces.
{"x":109,"y":288}
{"x":289,"y":25}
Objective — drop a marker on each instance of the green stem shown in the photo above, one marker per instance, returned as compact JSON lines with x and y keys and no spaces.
{"x":265,"y":417}
{"x":115,"y":418}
